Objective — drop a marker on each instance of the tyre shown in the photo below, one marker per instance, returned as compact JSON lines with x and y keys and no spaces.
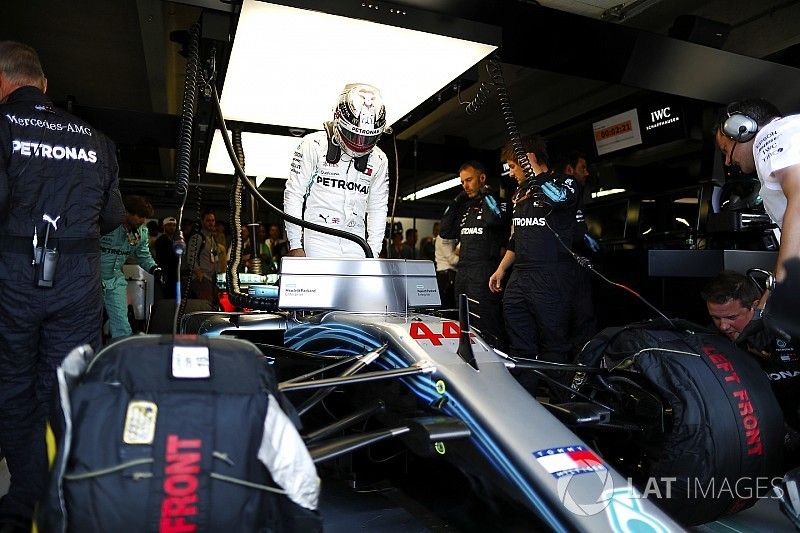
{"x":719,"y":443}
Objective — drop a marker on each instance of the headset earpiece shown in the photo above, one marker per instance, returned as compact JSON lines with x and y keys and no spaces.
{"x":739,"y":127}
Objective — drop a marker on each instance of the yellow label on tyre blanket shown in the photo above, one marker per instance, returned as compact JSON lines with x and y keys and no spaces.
{"x":140,"y":422}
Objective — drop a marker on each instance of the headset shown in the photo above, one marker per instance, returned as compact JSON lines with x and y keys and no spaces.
{"x":739,"y":126}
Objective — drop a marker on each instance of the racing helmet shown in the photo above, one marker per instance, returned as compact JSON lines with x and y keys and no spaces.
{"x":359,"y":119}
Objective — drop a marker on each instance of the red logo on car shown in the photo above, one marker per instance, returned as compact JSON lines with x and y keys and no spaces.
{"x":450,"y":330}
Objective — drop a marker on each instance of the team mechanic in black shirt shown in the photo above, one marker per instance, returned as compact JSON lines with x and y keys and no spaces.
{"x":582,"y":320}
{"x":481,"y":223}
{"x":58,"y":193}
{"x":539,"y":292}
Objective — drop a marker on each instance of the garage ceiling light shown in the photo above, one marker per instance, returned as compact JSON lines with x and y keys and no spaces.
{"x":607,"y":192}
{"x":288,"y":65}
{"x":433,"y":189}
{"x":265,"y":155}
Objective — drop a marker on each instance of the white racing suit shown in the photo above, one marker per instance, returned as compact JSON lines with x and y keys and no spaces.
{"x":337,"y":196}
{"x":776,"y":147}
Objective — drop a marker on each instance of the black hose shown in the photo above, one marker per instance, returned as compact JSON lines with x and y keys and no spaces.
{"x":235,"y":294}
{"x":480,"y":98}
{"x":183,"y":158}
{"x":232,"y":272}
{"x":496,"y":72}
{"x":184,"y":152}
{"x":254,"y":191}
{"x":587,"y":264}
{"x":191,"y":259}
{"x":237,"y":146}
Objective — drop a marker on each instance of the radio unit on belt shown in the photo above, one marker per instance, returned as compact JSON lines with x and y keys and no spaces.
{"x":44,"y":258}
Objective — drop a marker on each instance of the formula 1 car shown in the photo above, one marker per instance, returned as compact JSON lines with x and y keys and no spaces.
{"x":659,"y":416}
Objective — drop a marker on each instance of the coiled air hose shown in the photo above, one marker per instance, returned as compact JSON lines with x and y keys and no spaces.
{"x":235,"y":294}
{"x":184,"y":153}
{"x":495,"y":70}
{"x":183,"y":158}
{"x":480,"y":98}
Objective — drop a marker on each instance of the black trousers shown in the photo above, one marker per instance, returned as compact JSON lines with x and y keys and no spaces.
{"x":38,"y":327}
{"x":583,"y":325}
{"x":446,"y":280}
{"x":486,"y":316}
{"x":536,"y":306}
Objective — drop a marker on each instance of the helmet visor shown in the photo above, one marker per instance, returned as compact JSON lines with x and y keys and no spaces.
{"x":358,"y":142}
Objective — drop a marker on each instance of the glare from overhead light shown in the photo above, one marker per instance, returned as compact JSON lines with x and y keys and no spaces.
{"x":433,"y":189}
{"x":267,"y":156}
{"x":607,"y":192}
{"x":683,"y":221}
{"x":648,"y":230}
{"x":288,"y":65}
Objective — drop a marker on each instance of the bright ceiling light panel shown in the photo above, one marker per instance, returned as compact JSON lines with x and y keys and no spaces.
{"x":433,"y":189}
{"x":607,"y":192}
{"x":288,"y":66}
{"x":265,"y":155}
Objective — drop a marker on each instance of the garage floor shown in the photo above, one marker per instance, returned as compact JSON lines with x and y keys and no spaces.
{"x":388,"y":509}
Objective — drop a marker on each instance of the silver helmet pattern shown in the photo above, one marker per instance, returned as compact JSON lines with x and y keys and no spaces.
{"x":359,"y":119}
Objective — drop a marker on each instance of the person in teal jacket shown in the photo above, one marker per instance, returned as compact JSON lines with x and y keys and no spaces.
{"x":128,"y":239}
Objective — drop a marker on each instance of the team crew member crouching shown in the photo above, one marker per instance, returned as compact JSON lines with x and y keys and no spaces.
{"x":537,"y":297}
{"x":480,"y":222}
{"x":342,"y":178}
{"x":732,"y":302}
